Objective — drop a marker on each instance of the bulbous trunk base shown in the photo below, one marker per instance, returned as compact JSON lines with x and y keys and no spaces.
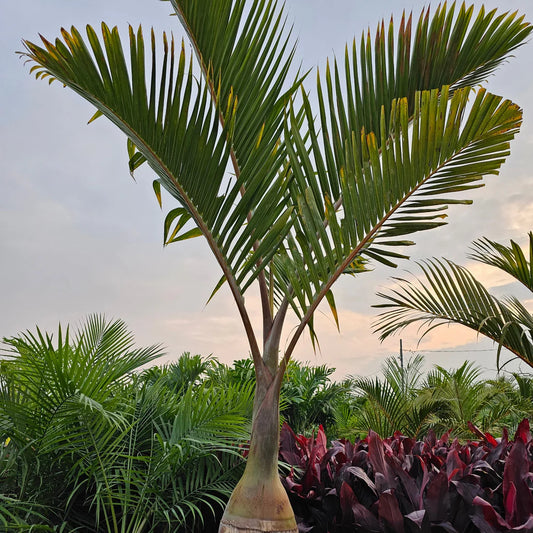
{"x":254,"y":526}
{"x":258,"y":506}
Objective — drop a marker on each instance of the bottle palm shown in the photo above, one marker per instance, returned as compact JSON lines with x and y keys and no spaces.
{"x":311,"y":194}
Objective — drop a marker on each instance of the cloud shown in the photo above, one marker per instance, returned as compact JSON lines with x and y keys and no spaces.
{"x":518,"y":216}
{"x":491,"y":277}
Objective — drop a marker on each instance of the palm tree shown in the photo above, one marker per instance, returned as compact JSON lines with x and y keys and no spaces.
{"x":178,"y":376}
{"x":393,"y":403}
{"x":450,"y":293}
{"x":509,"y":401}
{"x":56,"y":394}
{"x":458,"y":397}
{"x":309,"y":398}
{"x":312,"y":194}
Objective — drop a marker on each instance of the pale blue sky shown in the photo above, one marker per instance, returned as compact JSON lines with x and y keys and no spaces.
{"x":79,"y":236}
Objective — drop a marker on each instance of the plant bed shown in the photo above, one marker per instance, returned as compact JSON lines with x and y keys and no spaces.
{"x":401,"y":485}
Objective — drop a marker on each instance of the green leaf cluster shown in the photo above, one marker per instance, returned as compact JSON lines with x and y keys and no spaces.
{"x":89,"y":442}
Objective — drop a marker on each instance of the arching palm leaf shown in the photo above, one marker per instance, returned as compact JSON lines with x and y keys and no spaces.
{"x":46,"y":381}
{"x":175,"y":126}
{"x":510,"y":259}
{"x":449,"y":293}
{"x":447,"y":49}
{"x":245,"y":47}
{"x":399,"y":189}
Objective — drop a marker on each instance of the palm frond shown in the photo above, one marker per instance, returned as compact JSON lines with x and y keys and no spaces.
{"x":450,"y":48}
{"x":510,"y":259}
{"x":47,"y":381}
{"x":403,"y":185}
{"x":449,"y":293}
{"x":247,"y":49}
{"x":389,"y":152}
{"x":175,"y":125}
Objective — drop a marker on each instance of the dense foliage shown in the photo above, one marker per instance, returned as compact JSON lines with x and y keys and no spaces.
{"x":403,"y":485}
{"x":406,"y":400}
{"x":93,"y":442}
{"x":89,"y":446}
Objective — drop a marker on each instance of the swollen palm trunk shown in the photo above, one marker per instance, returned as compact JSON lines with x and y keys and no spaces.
{"x":259,"y":502}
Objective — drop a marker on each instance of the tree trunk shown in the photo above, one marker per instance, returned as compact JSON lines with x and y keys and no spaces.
{"x":259,"y":502}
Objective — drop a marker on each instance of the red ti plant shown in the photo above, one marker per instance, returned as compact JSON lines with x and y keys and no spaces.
{"x":401,"y":485}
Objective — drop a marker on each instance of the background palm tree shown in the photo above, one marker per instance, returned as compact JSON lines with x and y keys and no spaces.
{"x":459,"y":397}
{"x":444,"y":400}
{"x":312,"y":194}
{"x":54,"y":394}
{"x":450,"y":293}
{"x":178,"y":376}
{"x":393,"y":403}
{"x":310,"y":398}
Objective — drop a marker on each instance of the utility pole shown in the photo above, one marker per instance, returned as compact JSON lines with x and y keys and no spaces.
{"x":401,"y":366}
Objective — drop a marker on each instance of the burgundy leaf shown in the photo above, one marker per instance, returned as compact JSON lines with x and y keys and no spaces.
{"x":376,"y":456}
{"x":436,"y":501}
{"x":290,"y":485}
{"x":362,"y":476}
{"x":444,"y":439}
{"x":347,"y":499}
{"x":522,"y":431}
{"x":419,"y":520}
{"x":481,"y":486}
{"x":467,"y":491}
{"x":412,"y":494}
{"x":321,"y":441}
{"x":389,"y":511}
{"x":483,"y":436}
{"x":431,"y":439}
{"x":491,"y":516}
{"x":496,"y":453}
{"x":517,"y":497}
{"x":526,"y":527}
{"x":289,"y":450}
{"x":445,"y":526}
{"x":454,"y":466}
{"x":355,"y":513}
